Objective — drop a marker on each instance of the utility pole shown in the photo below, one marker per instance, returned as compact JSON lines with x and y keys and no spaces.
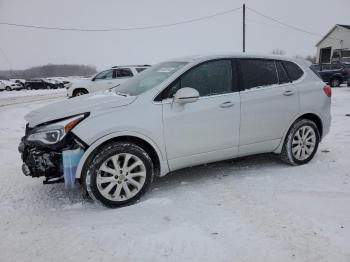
{"x":243,"y":28}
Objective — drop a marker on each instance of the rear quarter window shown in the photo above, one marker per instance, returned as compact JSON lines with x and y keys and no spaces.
{"x":140,"y":69}
{"x":293,"y":70}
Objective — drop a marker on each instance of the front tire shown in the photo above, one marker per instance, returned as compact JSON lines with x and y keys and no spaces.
{"x":8,"y":88}
{"x":80,"y":92}
{"x":119,"y":174}
{"x":301,"y":142}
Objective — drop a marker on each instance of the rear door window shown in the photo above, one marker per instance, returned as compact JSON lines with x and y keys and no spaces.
{"x":256,"y":73}
{"x":294,"y":71}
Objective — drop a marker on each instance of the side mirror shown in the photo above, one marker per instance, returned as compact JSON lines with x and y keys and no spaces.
{"x":93,"y":79}
{"x":186,"y":95}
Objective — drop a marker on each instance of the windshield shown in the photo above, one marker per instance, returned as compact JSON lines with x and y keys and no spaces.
{"x":149,"y":78}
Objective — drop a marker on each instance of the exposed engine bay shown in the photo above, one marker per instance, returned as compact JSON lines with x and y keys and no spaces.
{"x":41,"y":160}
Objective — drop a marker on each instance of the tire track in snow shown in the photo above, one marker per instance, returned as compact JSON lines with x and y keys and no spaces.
{"x":24,"y":100}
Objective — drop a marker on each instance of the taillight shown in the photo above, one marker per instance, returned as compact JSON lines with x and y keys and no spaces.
{"x":327,"y":90}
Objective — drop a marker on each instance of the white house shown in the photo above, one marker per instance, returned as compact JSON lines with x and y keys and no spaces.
{"x":335,"y":45}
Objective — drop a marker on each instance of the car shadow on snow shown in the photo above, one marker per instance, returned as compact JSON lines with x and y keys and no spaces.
{"x":242,"y":166}
{"x":56,"y":196}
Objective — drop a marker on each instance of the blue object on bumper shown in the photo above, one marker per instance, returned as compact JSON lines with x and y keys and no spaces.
{"x":71,"y":160}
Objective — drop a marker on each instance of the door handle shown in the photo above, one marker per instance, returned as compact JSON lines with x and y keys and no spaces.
{"x":288,"y":92}
{"x":226,"y":104}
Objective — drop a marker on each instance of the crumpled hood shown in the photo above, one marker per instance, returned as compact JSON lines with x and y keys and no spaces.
{"x":87,"y":103}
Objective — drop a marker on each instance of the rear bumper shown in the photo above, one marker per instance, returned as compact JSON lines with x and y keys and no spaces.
{"x":326,"y":126}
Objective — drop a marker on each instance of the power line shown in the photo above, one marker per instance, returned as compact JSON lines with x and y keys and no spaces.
{"x":122,"y":29}
{"x":282,"y":23}
{"x":287,"y":25}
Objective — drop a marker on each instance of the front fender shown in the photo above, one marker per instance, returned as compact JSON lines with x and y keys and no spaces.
{"x":164,"y":169}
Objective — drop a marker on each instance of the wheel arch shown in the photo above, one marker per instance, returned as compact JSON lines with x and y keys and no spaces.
{"x":161,"y":167}
{"x":315,"y":118}
{"x":310,"y":116}
{"x":79,"y":88}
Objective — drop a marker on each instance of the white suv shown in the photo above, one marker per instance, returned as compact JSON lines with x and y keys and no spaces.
{"x":9,"y":85}
{"x":105,"y":80}
{"x":177,"y":114}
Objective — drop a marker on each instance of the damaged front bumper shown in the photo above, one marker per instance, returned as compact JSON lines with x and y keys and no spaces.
{"x":57,"y":163}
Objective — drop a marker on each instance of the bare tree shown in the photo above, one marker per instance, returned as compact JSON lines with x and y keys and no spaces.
{"x":50,"y":71}
{"x":311,"y":58}
{"x":278,"y":51}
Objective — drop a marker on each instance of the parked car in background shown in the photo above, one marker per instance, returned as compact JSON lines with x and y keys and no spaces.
{"x":19,"y":81}
{"x":66,"y":83}
{"x":39,"y":83}
{"x":347,"y":65}
{"x":105,"y":80}
{"x":56,"y":83}
{"x":332,"y":74}
{"x":176,"y":114}
{"x":9,"y":85}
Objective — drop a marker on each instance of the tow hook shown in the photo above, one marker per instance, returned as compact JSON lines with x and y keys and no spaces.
{"x":25,"y":170}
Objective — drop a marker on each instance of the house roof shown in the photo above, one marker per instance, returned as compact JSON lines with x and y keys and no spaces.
{"x":330,"y":31}
{"x":345,"y":26}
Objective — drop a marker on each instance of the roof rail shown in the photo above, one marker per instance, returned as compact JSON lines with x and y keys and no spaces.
{"x":130,"y":66}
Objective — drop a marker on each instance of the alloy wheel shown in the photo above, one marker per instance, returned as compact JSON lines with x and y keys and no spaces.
{"x":303,"y":143}
{"x":121,"y":177}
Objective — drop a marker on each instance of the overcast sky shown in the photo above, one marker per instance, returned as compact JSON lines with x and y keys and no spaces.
{"x":22,"y":47}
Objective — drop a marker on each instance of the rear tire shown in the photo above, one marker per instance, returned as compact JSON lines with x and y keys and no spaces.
{"x":335,"y":82}
{"x":301,"y":143}
{"x":119,"y":174}
{"x":8,"y":88}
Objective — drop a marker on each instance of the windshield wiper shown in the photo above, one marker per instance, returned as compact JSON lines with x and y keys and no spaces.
{"x":122,"y":94}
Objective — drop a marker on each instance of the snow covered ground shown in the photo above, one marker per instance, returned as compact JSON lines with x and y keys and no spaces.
{"x":251,"y":209}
